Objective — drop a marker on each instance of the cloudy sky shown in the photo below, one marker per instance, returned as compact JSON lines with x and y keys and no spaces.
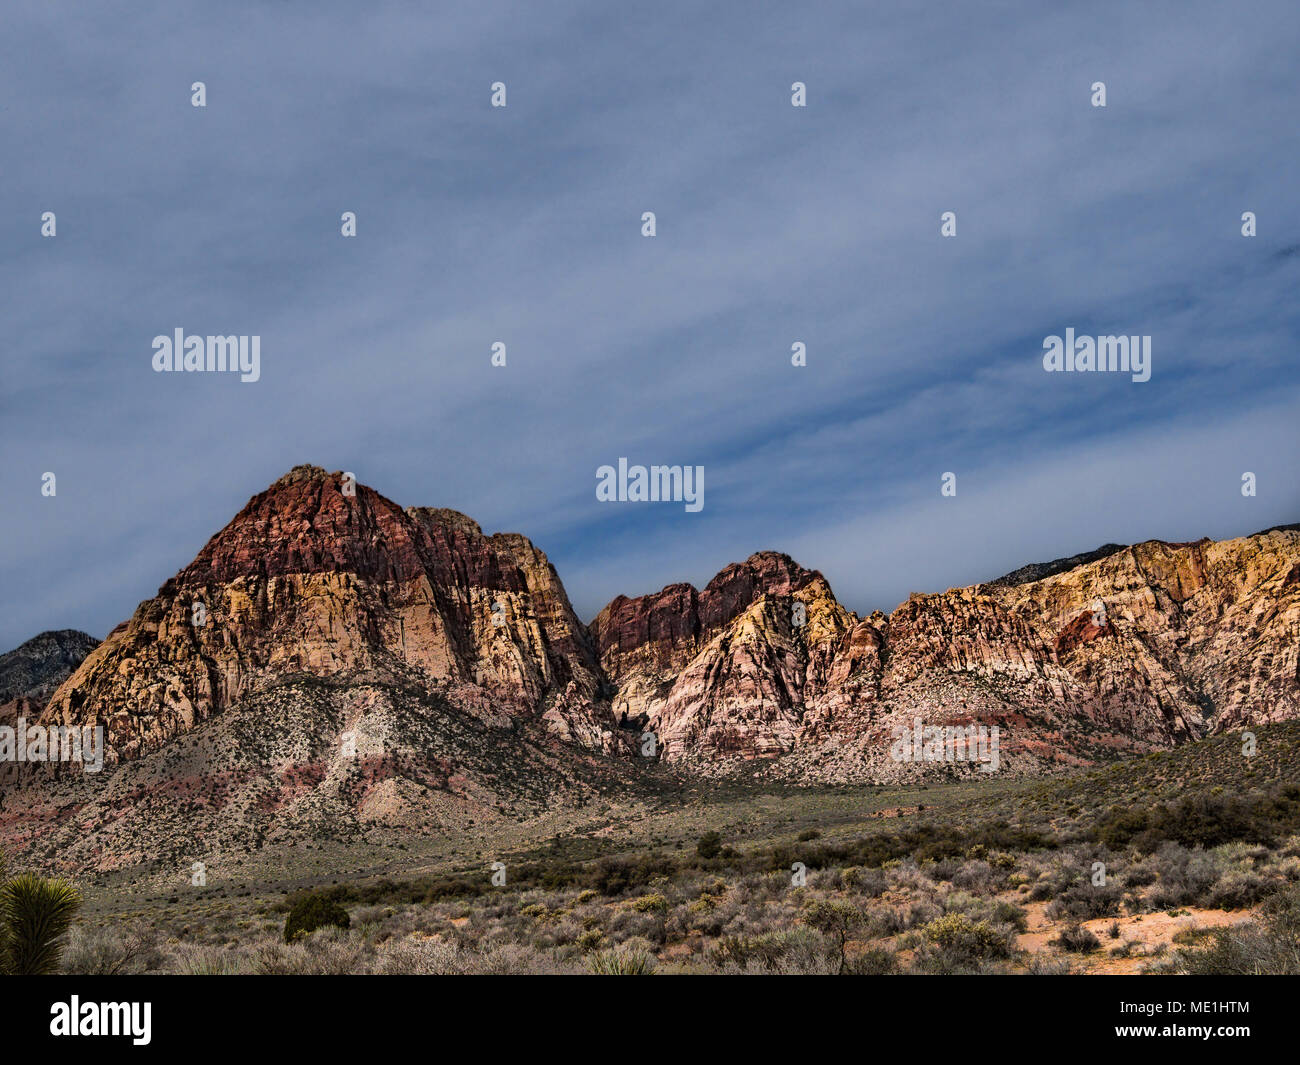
{"x":523,"y":225}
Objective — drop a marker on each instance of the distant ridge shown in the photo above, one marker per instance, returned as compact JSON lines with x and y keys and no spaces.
{"x":36,"y":668}
{"x":331,"y":661}
{"x":1036,"y":571}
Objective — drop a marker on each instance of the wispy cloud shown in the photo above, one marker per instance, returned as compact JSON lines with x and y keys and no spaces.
{"x":522,"y":225}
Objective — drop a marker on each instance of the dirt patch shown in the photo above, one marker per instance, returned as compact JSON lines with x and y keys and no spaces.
{"x":1146,"y":936}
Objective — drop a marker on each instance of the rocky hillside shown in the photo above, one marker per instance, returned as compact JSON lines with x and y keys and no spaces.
{"x":331,"y":659}
{"x":29,"y":674}
{"x":1116,"y":652}
{"x":320,"y":577}
{"x":328,"y":663}
{"x":34,"y":670}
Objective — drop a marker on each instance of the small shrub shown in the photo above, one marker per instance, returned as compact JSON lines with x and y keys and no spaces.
{"x":958,"y":934}
{"x":874,"y":961}
{"x":311,"y":912}
{"x":709,"y":845}
{"x":650,"y":904}
{"x":621,"y":962}
{"x":835,"y":919}
{"x":1078,"y":940}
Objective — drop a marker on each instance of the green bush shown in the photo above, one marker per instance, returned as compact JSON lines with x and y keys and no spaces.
{"x":959,"y":935}
{"x":650,"y":904}
{"x":1203,"y":820}
{"x":35,"y":916}
{"x":311,"y":912}
{"x":709,"y":846}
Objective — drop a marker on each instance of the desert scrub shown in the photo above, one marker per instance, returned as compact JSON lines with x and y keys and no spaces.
{"x":1239,"y":889}
{"x":709,"y":845}
{"x":869,"y":882}
{"x":111,"y":951}
{"x":1083,"y":900}
{"x":1185,"y":877}
{"x":957,"y":934}
{"x":311,"y":912}
{"x":873,"y":961}
{"x":836,"y":920}
{"x":1189,"y":936}
{"x":622,"y":961}
{"x":1269,"y":946}
{"x":650,"y":904}
{"x":799,"y":950}
{"x":1008,"y":913}
{"x":1077,"y":940}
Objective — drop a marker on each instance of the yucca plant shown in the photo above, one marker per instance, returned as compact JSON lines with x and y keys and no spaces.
{"x":621,"y":962}
{"x":35,"y":915}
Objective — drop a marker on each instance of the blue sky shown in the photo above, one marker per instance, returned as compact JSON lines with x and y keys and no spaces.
{"x":522,"y":224}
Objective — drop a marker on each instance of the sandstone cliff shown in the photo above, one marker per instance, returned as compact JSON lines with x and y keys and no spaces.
{"x":331,"y":659}
{"x":311,"y":578}
{"x":1115,"y":652}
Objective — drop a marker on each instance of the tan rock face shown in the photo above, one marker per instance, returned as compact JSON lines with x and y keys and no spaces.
{"x":647,"y":645}
{"x":1138,"y":648}
{"x":309,"y":579}
{"x":1117,"y":651}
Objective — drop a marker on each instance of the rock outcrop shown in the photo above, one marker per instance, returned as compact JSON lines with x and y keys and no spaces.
{"x":332,"y":659}
{"x":30,"y":674}
{"x":1115,"y":652}
{"x":35,"y":669}
{"x":324,"y":577}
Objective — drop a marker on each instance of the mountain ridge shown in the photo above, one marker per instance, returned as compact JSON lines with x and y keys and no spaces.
{"x":455,"y":663}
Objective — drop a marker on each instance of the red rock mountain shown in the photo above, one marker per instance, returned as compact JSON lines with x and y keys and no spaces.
{"x":330,"y":658}
{"x":322,"y":578}
{"x":1138,"y":648}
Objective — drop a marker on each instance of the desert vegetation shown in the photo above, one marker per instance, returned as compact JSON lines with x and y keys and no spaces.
{"x":1181,"y":862}
{"x":35,"y":916}
{"x":981,"y":912}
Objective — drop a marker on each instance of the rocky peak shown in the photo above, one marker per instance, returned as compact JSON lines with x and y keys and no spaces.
{"x":304,"y":523}
{"x":452,"y":519}
{"x":666,"y":628}
{"x":739,"y":585}
{"x":301,"y":473}
{"x":36,"y":668}
{"x":308,"y":578}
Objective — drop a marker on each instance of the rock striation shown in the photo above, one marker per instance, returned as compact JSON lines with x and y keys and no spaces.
{"x":323,"y":577}
{"x":1119,"y":651}
{"x":330,"y":658}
